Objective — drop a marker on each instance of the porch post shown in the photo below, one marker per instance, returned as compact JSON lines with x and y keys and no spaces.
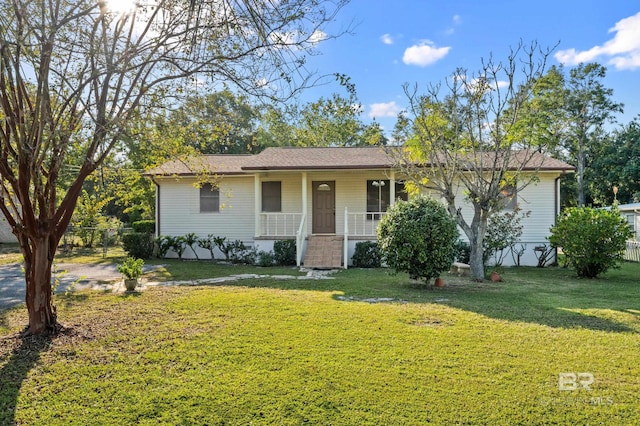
{"x":392,"y":187}
{"x":304,"y":195}
{"x":257,"y":197}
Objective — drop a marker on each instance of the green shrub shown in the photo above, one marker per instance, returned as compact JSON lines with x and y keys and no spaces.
{"x":462,"y":251}
{"x":138,"y":245}
{"x":163,"y":245}
{"x":592,"y":240}
{"x":418,"y":237}
{"x":146,"y":226}
{"x":284,"y":252}
{"x":208,"y":243}
{"x":240,"y":253}
{"x":191,"y":239}
{"x":266,"y":258}
{"x":367,"y":255}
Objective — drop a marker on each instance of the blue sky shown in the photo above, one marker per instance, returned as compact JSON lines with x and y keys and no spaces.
{"x":424,"y":41}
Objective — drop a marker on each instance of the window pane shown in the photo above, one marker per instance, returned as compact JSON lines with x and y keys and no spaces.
{"x":378,"y":195}
{"x":271,"y":197}
{"x":209,"y":199}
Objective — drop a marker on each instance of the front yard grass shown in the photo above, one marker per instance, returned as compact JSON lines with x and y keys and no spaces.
{"x":363,"y":348}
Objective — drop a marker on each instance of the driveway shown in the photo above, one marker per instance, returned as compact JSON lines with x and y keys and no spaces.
{"x":12,"y":286}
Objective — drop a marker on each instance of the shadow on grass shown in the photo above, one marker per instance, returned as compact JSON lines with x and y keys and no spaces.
{"x":15,"y":366}
{"x":549,"y":297}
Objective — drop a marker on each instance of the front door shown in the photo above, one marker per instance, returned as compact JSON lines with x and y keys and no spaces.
{"x":324,"y":207}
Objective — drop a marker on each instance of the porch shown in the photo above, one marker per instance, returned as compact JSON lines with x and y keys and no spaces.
{"x":345,"y":206}
{"x":282,"y":226}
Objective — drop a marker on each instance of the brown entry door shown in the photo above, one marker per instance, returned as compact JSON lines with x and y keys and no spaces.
{"x":324,"y":207}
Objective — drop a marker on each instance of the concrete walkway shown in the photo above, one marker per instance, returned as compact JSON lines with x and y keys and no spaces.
{"x":107,"y":278}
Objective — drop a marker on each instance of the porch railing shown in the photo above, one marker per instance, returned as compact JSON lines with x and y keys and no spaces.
{"x":362,"y":224}
{"x":632,"y":252}
{"x":279,"y":224}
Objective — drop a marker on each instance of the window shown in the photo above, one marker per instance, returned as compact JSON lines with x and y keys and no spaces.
{"x":271,"y":197}
{"x":379,"y":195}
{"x":209,"y":199}
{"x":510,"y":195}
{"x":631,"y":220}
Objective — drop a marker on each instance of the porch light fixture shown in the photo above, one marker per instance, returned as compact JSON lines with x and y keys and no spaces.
{"x":324,"y":187}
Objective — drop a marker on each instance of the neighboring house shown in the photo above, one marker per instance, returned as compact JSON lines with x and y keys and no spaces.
{"x":327,"y":199}
{"x":6,"y":235}
{"x":631,"y":212}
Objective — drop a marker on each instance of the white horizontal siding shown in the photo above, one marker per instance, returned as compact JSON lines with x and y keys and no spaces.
{"x":180,"y":209}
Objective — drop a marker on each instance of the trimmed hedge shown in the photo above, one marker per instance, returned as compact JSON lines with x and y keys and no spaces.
{"x":138,"y":244}
{"x":144,"y":226}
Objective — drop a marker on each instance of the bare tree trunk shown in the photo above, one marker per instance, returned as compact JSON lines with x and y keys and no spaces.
{"x":42,"y":313}
{"x":476,"y":259}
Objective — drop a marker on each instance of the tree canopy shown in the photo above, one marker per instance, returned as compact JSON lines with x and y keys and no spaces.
{"x":73,"y":74}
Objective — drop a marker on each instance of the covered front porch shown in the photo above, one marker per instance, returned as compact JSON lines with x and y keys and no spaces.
{"x":347,"y":206}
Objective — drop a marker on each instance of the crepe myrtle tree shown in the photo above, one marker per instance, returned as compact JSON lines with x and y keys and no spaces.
{"x":479,"y":137}
{"x":72,"y":74}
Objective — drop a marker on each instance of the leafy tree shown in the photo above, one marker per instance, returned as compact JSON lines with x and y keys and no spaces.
{"x":470,"y":140}
{"x":73,"y":75}
{"x":418,"y":237}
{"x":594,"y":240}
{"x":588,"y":108}
{"x":503,"y":232}
{"x":617,"y":163}
{"x":217,"y":123}
{"x":331,"y":121}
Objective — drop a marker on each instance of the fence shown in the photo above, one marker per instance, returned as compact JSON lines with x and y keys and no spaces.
{"x":632,"y":253}
{"x":85,"y":237}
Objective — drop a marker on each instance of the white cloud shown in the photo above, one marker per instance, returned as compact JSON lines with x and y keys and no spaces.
{"x":386,"y":39}
{"x":384,"y":109}
{"x":317,"y":37}
{"x":424,"y":53}
{"x":623,"y":50}
{"x":455,"y":21}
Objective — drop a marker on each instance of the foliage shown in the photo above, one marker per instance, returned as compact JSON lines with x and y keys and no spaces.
{"x":88,"y":219}
{"x":592,"y":240}
{"x":146,"y":226}
{"x":466,"y":136}
{"x":284,"y":252}
{"x":616,"y":162}
{"x":178,"y":244}
{"x":503,"y":232}
{"x":163,"y":245}
{"x":224,"y":246}
{"x":418,"y":237}
{"x":208,"y":243}
{"x":191,"y":239}
{"x":240,"y":253}
{"x":75,"y":74}
{"x":367,"y":255}
{"x":462,"y":251}
{"x":131,"y":268}
{"x":138,"y":244}
{"x":283,"y":322}
{"x":266,"y":258}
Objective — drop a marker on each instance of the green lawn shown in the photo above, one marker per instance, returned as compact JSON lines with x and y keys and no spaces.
{"x":296,"y":351}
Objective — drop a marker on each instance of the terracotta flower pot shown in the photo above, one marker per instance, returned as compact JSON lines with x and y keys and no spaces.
{"x":439,"y":282}
{"x":495,"y":277}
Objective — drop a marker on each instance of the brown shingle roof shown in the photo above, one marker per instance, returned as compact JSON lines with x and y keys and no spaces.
{"x":220,"y":164}
{"x":320,"y":158}
{"x":325,"y":158}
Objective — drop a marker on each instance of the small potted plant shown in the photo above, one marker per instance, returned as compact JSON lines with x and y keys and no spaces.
{"x":131,"y":270}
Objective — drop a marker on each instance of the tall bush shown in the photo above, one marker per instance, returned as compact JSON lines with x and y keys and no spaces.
{"x":138,"y":245}
{"x":593,"y":240}
{"x":367,"y":255}
{"x":284,"y":252}
{"x":418,"y":237}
